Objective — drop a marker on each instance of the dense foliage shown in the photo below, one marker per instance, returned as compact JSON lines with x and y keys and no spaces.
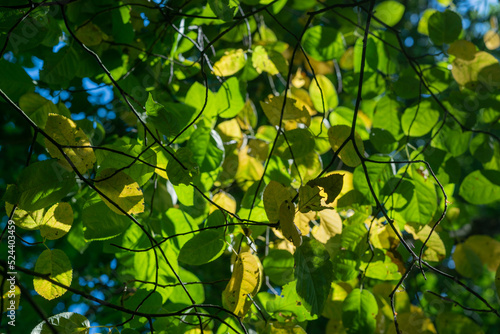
{"x":242,"y":166}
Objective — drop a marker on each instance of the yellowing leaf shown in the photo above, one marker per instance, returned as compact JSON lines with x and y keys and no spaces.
{"x":55,"y":263}
{"x":275,"y":194}
{"x":122,"y":190}
{"x":89,"y":34}
{"x":411,"y":322}
{"x":331,"y":185}
{"x":224,"y":200}
{"x":249,"y":170}
{"x":346,"y":62}
{"x":230,"y":63}
{"x":290,"y":230}
{"x":324,"y":96}
{"x":245,"y":280}
{"x":337,"y":134}
{"x":302,"y":220}
{"x":491,"y":40}
{"x":434,"y":249}
{"x":65,"y":132}
{"x":262,"y":62}
{"x":57,"y":221}
{"x":29,"y":220}
{"x":463,"y":49}
{"x":476,"y":247}
{"x":330,"y":224}
{"x":291,"y":115}
{"x":230,"y":130}
{"x":483,"y":68}
{"x":310,"y":199}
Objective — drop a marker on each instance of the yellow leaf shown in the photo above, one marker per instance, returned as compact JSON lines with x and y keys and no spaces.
{"x":230,"y":63}
{"x":245,"y":280}
{"x":29,"y":220}
{"x":302,"y":221}
{"x":337,"y":134}
{"x":275,"y":194}
{"x":249,"y":170}
{"x":302,"y":99}
{"x":122,"y":190}
{"x":290,"y":230}
{"x":161,"y":161}
{"x":413,"y":322}
{"x":262,"y":62}
{"x":330,"y":224}
{"x":55,"y":263}
{"x":65,"y":132}
{"x":434,"y":249}
{"x":291,"y":115}
{"x":57,"y":221}
{"x":230,"y":130}
{"x":224,"y":200}
{"x":491,"y":40}
{"x":346,"y":62}
{"x":483,"y":68}
{"x":463,"y":49}
{"x":484,"y":247}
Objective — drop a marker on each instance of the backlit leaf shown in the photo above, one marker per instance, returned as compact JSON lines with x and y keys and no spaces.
{"x":359,"y":311}
{"x":286,"y":217}
{"x":245,"y":280}
{"x":337,"y":135}
{"x":65,"y":132}
{"x":55,"y":263}
{"x":331,"y":184}
{"x":230,"y":63}
{"x":444,"y":27}
{"x":323,"y":99}
{"x":389,"y":12}
{"x":122,"y":190}
{"x":323,"y":43}
{"x":64,"y":323}
{"x":481,"y":187}
{"x":57,"y":221}
{"x":291,"y":114}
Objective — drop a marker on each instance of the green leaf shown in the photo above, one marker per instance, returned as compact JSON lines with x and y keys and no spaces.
{"x":297,"y":144}
{"x":323,"y":99}
{"x":456,"y":323}
{"x":64,"y":323}
{"x":278,"y":266}
{"x":292,"y":115}
{"x":19,"y":81}
{"x":184,"y":173}
{"x":419,"y":119}
{"x":204,"y":247}
{"x":359,"y":312}
{"x":314,"y":273}
{"x":197,"y":292}
{"x":444,"y":27}
{"x":92,"y":216}
{"x":275,"y":194}
{"x":289,"y":305}
{"x":170,"y":118}
{"x":378,"y":173}
{"x":196,"y":96}
{"x":230,"y":98}
{"x":223,"y":9}
{"x":337,"y":135}
{"x":55,"y":263}
{"x":180,"y":224}
{"x":207,"y":148}
{"x":37,"y":108}
{"x":481,"y":187}
{"x":389,"y":12}
{"x":424,"y":21}
{"x":43,"y":184}
{"x":323,"y":43}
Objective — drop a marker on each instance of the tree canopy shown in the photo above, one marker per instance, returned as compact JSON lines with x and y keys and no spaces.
{"x":250,"y":166}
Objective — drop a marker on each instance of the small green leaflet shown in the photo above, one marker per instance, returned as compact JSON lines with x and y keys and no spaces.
{"x":359,"y":312}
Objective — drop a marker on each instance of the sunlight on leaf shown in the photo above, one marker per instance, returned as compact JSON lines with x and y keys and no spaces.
{"x":55,"y":263}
